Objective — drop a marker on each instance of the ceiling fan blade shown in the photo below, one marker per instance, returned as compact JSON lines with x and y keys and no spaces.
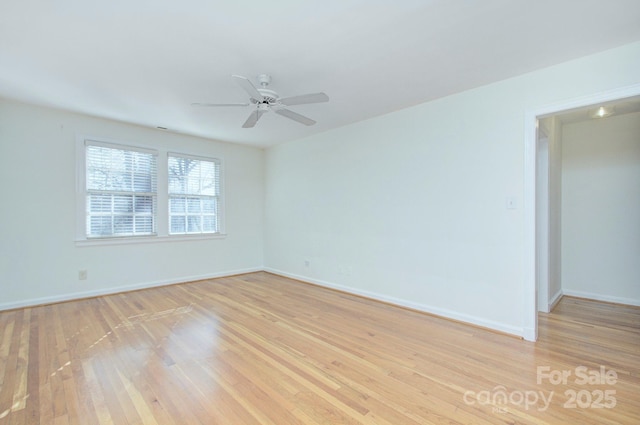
{"x":219,"y":104}
{"x":295,"y":116}
{"x":305,"y":98}
{"x":248,"y":87}
{"x":253,"y":118}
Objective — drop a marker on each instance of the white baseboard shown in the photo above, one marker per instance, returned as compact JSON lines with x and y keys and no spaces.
{"x":555,"y":300}
{"x":529,"y":334}
{"x":449,"y":314}
{"x":117,"y":289}
{"x":601,"y":297}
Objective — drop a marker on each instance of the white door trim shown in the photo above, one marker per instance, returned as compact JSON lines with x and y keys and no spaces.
{"x":530,"y":328}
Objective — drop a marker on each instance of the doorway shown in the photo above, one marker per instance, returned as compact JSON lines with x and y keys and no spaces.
{"x":541,"y":203}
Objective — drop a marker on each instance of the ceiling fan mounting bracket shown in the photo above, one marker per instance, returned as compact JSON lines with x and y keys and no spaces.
{"x":264,"y":80}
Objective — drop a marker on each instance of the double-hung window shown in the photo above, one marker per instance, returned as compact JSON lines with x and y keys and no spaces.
{"x":194,"y":194}
{"x":121,"y":190}
{"x":135,"y":194}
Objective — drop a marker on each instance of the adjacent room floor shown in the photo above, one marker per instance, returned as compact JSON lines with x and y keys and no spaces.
{"x":263,"y":349}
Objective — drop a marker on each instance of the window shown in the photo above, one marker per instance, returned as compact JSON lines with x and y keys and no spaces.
{"x":194,"y":191}
{"x":135,"y":194}
{"x":121,"y":192}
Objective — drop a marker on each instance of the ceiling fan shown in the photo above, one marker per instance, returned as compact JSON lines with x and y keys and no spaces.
{"x":265,"y":99}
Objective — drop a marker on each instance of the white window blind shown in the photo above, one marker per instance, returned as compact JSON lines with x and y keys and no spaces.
{"x":121,"y":189}
{"x":194,"y":195}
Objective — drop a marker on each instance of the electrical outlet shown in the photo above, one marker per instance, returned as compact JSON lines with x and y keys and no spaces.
{"x":307,"y":263}
{"x":82,"y":275}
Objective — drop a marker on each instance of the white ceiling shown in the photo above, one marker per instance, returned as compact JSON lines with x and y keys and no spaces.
{"x":146,"y":61}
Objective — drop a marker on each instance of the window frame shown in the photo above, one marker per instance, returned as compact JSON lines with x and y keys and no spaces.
{"x":162,"y":195}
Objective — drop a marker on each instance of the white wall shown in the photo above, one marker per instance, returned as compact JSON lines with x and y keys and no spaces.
{"x":411,"y":206}
{"x":39,"y":261}
{"x":542,"y":222}
{"x":601,"y":209}
{"x":555,"y":215}
{"x":548,"y":210}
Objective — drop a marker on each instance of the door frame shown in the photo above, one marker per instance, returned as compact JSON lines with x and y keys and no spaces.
{"x":531,"y":276}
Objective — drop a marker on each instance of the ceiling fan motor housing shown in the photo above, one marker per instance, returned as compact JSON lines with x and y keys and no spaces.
{"x":269,"y":96}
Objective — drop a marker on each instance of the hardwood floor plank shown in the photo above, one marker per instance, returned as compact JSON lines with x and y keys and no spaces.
{"x":6,"y":325}
{"x":32,"y":402}
{"x":94,"y":389}
{"x":262,"y":349}
{"x":6,"y":386}
{"x":20,"y":391}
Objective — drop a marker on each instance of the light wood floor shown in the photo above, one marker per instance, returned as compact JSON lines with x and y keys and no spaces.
{"x":261,"y":349}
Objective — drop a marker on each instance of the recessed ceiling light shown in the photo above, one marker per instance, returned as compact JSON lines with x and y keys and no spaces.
{"x":602,"y":112}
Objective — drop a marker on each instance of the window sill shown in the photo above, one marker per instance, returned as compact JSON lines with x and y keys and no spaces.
{"x":146,"y":239}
